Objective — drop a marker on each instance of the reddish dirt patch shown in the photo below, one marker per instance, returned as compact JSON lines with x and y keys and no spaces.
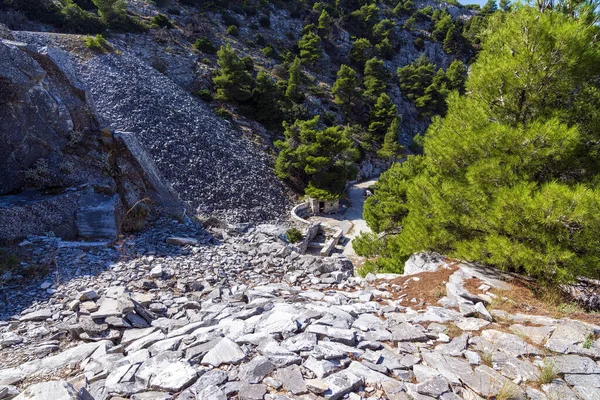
{"x":427,"y":288}
{"x":529,"y":297}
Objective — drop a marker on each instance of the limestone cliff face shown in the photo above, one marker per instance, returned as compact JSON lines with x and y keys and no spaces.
{"x":61,"y":172}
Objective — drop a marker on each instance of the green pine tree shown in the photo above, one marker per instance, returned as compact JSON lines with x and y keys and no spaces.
{"x":266,"y":99}
{"x":233,"y":81}
{"x":456,"y":76}
{"x":391,"y":149}
{"x":111,"y":10}
{"x":505,"y":5}
{"x":324,"y":24}
{"x":509,"y":177}
{"x":293,"y":87}
{"x":489,"y":7}
{"x":310,"y":47}
{"x":318,"y":161}
{"x":442,"y":27}
{"x":454,"y":42}
{"x":345,"y":88}
{"x":361,"y":51}
{"x":382,"y":115}
{"x":375,"y":78}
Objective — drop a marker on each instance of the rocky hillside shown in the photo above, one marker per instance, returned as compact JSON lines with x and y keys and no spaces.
{"x":207,"y":161}
{"x":98,"y":136}
{"x":251,"y":319}
{"x":63,"y":171}
{"x":156,"y":83}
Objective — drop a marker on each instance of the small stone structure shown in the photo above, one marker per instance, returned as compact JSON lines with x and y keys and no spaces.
{"x":331,"y":243}
{"x":311,"y":229}
{"x":318,"y":206}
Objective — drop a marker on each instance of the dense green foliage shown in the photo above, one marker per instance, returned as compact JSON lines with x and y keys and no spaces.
{"x":79,"y":16}
{"x":293,"y":235}
{"x":375,"y":78}
{"x":293,"y":85}
{"x":382,"y":115}
{"x":111,"y":10}
{"x":318,"y":161}
{"x":391,"y":149}
{"x":345,"y":88}
{"x":205,"y":45}
{"x":428,"y":89}
{"x":310,"y":47}
{"x":361,"y":51}
{"x":233,"y":81}
{"x":509,"y":177}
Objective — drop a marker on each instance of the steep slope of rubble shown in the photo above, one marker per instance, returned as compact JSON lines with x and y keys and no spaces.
{"x":206,"y":160}
{"x":62,"y":170}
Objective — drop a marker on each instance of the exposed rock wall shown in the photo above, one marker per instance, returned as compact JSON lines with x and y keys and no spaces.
{"x":61,"y":172}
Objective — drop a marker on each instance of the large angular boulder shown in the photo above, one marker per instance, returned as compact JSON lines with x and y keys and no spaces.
{"x":423,"y":262}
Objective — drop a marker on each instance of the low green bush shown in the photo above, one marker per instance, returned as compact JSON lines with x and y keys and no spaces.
{"x":97,"y":43}
{"x":205,"y":94}
{"x":294,"y":235}
{"x":260,"y":39}
{"x":233,"y":30}
{"x":269,"y":51}
{"x":205,"y":45}
{"x":223,"y":113}
{"x":161,"y":21}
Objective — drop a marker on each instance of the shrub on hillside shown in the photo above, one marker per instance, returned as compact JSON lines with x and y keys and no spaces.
{"x":161,"y":21}
{"x":205,"y":94}
{"x":205,"y":45}
{"x":233,"y":30}
{"x":97,"y":43}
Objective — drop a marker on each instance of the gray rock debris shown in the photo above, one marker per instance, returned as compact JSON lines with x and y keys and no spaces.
{"x":424,"y":262}
{"x":57,"y":390}
{"x":226,"y":351}
{"x":202,"y":156}
{"x":232,"y":324}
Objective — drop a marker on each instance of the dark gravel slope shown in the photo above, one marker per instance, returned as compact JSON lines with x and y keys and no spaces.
{"x":201,"y":155}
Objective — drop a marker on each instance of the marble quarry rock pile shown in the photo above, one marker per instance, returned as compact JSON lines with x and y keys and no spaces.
{"x":204,"y":157}
{"x":177,"y":314}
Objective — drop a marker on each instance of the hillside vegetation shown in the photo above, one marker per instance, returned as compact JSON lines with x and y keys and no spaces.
{"x":375,"y":72}
{"x":509,"y":177}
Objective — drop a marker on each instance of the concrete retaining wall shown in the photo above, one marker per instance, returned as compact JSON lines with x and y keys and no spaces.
{"x":298,"y":209}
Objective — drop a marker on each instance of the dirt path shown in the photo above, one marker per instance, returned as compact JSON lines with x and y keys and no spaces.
{"x":354,"y":214}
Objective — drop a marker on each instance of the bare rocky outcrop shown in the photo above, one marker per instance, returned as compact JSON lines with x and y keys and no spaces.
{"x":62,"y":171}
